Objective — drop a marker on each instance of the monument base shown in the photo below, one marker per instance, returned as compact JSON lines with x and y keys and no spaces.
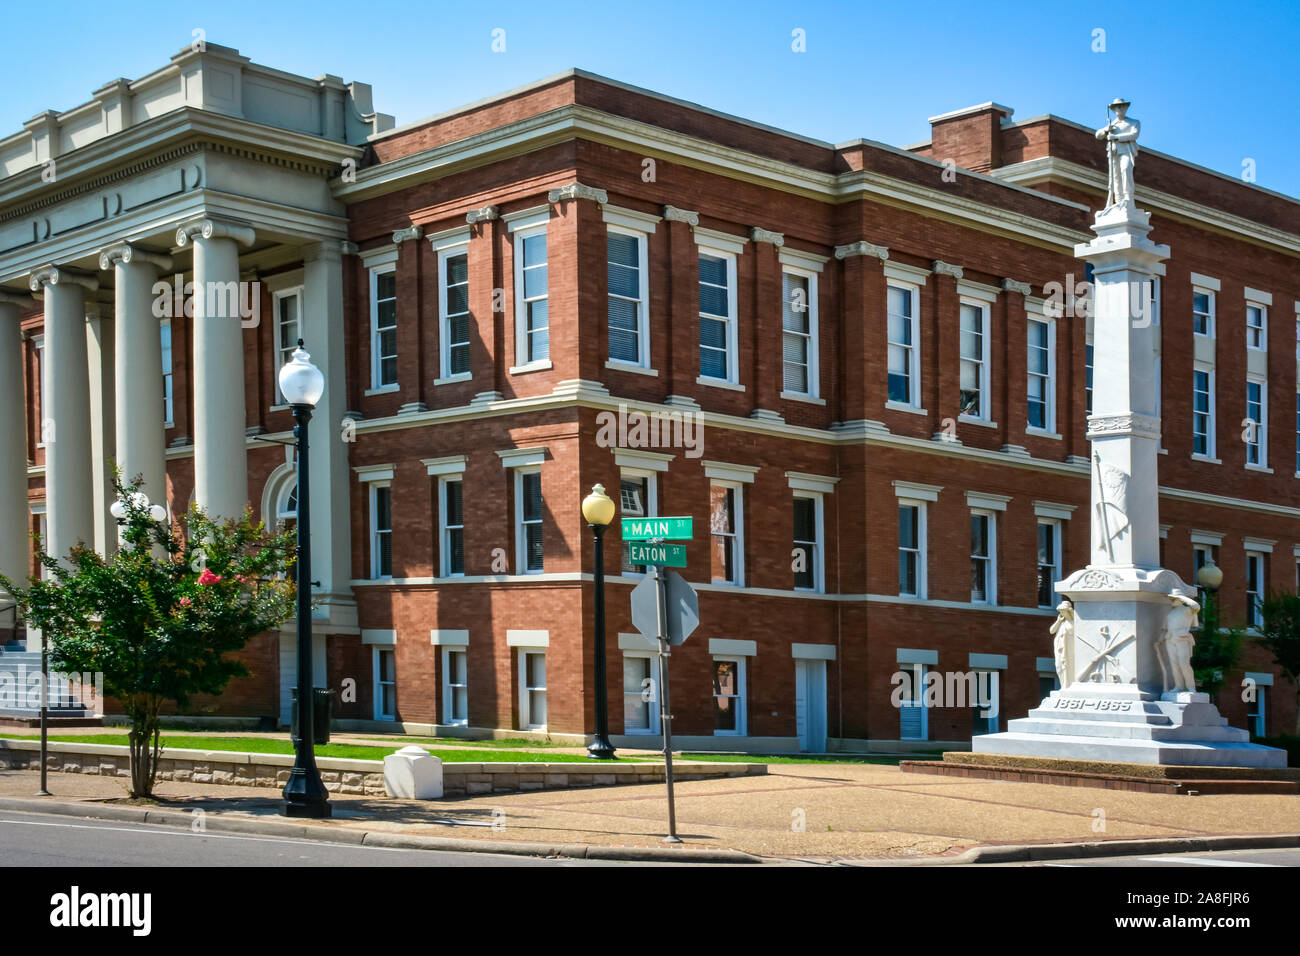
{"x":1121,"y":724}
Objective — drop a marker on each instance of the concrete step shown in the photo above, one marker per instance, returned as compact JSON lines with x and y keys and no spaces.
{"x":1127,"y":731}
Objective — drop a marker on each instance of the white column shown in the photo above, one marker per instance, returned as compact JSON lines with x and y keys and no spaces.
{"x":141,"y":434}
{"x":14,"y":517}
{"x":70,"y":518}
{"x":103,"y":443}
{"x":220,"y":452}
{"x":322,"y":330}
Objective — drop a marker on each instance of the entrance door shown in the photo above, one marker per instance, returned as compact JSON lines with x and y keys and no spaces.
{"x":810,"y":705}
{"x":289,"y":670}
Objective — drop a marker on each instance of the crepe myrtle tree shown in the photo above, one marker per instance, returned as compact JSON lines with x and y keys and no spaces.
{"x":161,"y":616}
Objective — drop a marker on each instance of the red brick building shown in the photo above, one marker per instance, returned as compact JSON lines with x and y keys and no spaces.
{"x":868,"y":370}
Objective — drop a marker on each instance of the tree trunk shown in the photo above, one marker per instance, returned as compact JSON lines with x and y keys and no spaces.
{"x":145,"y":742}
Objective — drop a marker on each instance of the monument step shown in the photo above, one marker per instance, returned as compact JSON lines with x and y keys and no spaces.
{"x":1152,"y":716}
{"x":1127,"y":731}
{"x":1184,"y":753}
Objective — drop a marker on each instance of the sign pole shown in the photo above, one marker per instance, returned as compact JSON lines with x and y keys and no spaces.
{"x":45,"y":713}
{"x":665,"y":711}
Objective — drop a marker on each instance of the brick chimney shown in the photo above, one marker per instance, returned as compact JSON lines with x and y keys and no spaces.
{"x":971,"y":137}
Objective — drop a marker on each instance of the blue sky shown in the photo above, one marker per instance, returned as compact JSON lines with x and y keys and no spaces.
{"x":1213,"y":83}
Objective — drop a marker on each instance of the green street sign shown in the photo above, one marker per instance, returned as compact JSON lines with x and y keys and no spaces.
{"x":648,"y":529}
{"x":666,"y":555}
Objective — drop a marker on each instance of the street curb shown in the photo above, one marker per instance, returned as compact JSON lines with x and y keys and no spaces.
{"x":1026,"y":852}
{"x":325,"y":833}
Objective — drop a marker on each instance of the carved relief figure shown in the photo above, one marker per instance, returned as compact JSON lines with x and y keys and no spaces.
{"x":1121,"y":136}
{"x":1175,"y":644}
{"x":1112,"y":504}
{"x":1104,"y":665}
{"x":1063,"y":630}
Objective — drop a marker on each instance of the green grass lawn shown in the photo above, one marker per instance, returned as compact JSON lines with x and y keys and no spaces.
{"x":265,"y":745}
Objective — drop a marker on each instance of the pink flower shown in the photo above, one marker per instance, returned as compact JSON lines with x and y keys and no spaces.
{"x":207,"y":577}
{"x":184,"y":602}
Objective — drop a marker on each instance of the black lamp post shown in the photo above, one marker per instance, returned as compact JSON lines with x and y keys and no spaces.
{"x":302,"y":385}
{"x":1210,"y":577}
{"x":598,"y":509}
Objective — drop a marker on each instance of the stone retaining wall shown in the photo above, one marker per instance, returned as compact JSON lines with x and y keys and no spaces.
{"x":357,"y":777}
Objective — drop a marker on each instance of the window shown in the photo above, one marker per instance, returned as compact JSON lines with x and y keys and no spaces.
{"x":532,"y":689}
{"x":983,"y":558}
{"x":1203,"y":411}
{"x":1255,"y":578}
{"x":726,"y":539}
{"x":640,"y":700}
{"x":729,"y":696}
{"x":385,"y":669}
{"x":532,"y":304}
{"x":1256,"y":712}
{"x":799,"y":332}
{"x":453,"y":304}
{"x":286,"y":505}
{"x":381,"y":531}
{"x":1087,"y":378}
{"x":808,"y":567}
{"x":1047,"y":682}
{"x":383,"y":327}
{"x":528,"y":521}
{"x":974,"y":361}
{"x":455,"y":687}
{"x":718,"y":316}
{"x":637,"y":494}
{"x":911,"y":549}
{"x":165,"y":330}
{"x":38,"y":388}
{"x":629,"y":296}
{"x":1042,"y":374}
{"x":913,"y":717}
{"x":1256,"y":433}
{"x":985,"y":709}
{"x":1256,"y":327}
{"x":288,"y":330}
{"x":1049,"y":562}
{"x":1203,"y":312}
{"x":904,"y":370}
{"x":451,"y":516}
{"x":1297,"y":433}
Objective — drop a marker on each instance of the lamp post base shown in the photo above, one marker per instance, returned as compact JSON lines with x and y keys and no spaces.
{"x":600,"y":749}
{"x":312,"y":811}
{"x":306,"y":796}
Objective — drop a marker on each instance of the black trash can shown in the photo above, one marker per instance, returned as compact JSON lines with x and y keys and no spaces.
{"x":322,"y":706}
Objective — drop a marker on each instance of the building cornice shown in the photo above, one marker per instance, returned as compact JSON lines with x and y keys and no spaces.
{"x":571,"y":121}
{"x":1055,"y":169}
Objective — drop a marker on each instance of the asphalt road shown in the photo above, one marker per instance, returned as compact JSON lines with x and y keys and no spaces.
{"x":36,"y":839}
{"x":1221,"y":858}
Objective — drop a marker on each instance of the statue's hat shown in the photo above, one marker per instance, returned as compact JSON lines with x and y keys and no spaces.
{"x":1118,"y":101}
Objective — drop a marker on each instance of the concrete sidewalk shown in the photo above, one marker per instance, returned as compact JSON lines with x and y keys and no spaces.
{"x":823,"y":813}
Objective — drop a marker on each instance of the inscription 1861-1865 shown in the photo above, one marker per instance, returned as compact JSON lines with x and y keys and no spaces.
{"x":1093,"y":703}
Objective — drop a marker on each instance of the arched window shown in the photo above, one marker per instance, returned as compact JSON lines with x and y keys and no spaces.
{"x":286,"y":504}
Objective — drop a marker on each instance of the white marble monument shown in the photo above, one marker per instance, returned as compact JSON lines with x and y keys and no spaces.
{"x":1123,"y":640}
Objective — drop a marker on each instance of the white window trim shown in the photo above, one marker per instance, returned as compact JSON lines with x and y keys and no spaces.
{"x":169,"y":371}
{"x":521,"y":232}
{"x":376,"y":370}
{"x":733,"y":294}
{"x":444,"y":532}
{"x":1253,"y":555}
{"x":1058,"y":557}
{"x":448,"y":708}
{"x":373,"y":495}
{"x":525,"y":704}
{"x":38,"y":347}
{"x":1206,"y":286}
{"x":819,"y":546}
{"x":985,"y":384}
{"x":643,"y":302}
{"x":1210,"y":445}
{"x":651,"y":504}
{"x":1263,"y":329}
{"x":742,"y":697}
{"x":991,"y":582}
{"x":922,"y":549}
{"x":291,"y":292}
{"x":521,"y":543}
{"x":814,"y":367}
{"x":460,"y":247}
{"x":1049,"y":428}
{"x":652,"y":712}
{"x":1261,"y":437}
{"x":914,"y":378}
{"x":376,"y":697}
{"x":738,"y":554}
